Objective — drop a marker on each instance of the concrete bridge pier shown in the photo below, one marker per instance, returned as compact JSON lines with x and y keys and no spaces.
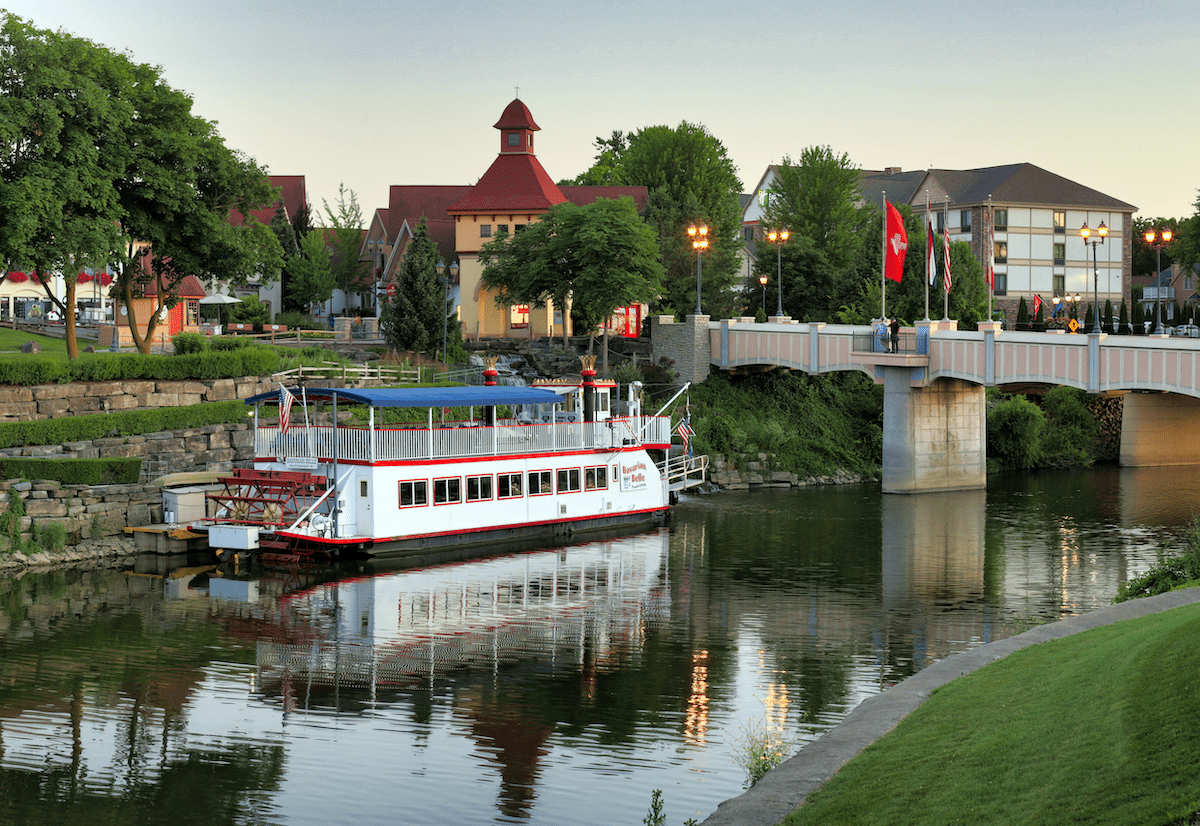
{"x":934,"y":437}
{"x":1158,"y":429}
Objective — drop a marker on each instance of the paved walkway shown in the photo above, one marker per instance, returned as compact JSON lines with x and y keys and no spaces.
{"x":784,"y":788}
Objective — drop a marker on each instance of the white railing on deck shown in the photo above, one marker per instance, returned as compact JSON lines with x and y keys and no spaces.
{"x":443,"y":442}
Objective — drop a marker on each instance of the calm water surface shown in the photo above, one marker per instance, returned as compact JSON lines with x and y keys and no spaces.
{"x":550,"y":687}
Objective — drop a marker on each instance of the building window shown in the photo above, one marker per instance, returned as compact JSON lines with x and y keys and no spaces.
{"x":1060,"y":284}
{"x":479,"y":488}
{"x":1000,"y":253}
{"x":447,"y":491}
{"x":568,"y":480}
{"x":414,"y":494}
{"x":485,"y":230}
{"x":1000,"y":219}
{"x":502,"y":229}
{"x":508,"y":485}
{"x":518,"y":227}
{"x":964,"y":220}
{"x":518,"y":316}
{"x":764,"y":198}
{"x":1001,"y":284}
{"x":1187,"y":282}
{"x":539,"y":483}
{"x":514,"y":138}
{"x":941,"y":222}
{"x":1060,"y":255}
{"x":193,"y":313}
{"x":747,"y":234}
{"x":1060,"y":221}
{"x":596,"y":478}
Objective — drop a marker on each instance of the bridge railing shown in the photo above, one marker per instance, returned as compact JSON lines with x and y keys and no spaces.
{"x":880,"y":342}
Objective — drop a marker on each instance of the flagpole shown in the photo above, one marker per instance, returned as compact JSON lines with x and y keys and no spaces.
{"x":883,"y":263}
{"x":930,"y":249}
{"x":991,"y":270}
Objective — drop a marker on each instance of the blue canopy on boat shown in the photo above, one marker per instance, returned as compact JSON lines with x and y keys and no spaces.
{"x":421,"y":396}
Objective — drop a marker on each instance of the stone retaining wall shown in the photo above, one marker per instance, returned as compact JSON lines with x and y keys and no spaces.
{"x":51,"y":401}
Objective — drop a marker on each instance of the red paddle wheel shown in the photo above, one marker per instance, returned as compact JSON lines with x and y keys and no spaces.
{"x":273,"y":499}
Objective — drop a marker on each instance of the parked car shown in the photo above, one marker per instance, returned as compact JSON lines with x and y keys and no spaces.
{"x":1189,"y":330}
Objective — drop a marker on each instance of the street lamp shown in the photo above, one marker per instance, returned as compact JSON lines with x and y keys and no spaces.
{"x":778,"y":238}
{"x":376,"y":248}
{"x":1101,"y":233}
{"x":762,"y":279}
{"x":699,"y":235}
{"x":1156,"y":240}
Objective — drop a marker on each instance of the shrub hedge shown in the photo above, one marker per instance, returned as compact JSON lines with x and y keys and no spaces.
{"x":117,"y":471}
{"x":29,"y":371}
{"x":126,"y":423}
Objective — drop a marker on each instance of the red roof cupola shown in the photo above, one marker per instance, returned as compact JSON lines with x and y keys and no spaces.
{"x":516,"y":129}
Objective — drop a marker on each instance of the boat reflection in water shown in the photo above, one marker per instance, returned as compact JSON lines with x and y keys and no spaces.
{"x":408,"y":626}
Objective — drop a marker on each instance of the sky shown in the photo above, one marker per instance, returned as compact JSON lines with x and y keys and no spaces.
{"x":368,"y":95}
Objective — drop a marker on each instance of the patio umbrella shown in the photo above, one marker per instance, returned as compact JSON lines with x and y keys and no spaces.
{"x":219,"y":299}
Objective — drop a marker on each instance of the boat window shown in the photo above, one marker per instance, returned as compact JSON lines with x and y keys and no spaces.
{"x":568,"y":480}
{"x":447,"y":491}
{"x":362,"y":487}
{"x":414,"y":494}
{"x":479,"y":487}
{"x":508,"y":485}
{"x":539,"y":483}
{"x":596,"y":478}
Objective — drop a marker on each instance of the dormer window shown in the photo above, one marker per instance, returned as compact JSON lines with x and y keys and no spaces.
{"x":514,"y":138}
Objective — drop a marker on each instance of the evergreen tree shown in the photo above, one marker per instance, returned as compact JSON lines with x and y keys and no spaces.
{"x":413,"y":317}
{"x":1123,"y":327}
{"x":1022,"y":315}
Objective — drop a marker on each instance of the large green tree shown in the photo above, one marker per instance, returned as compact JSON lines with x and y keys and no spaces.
{"x":594,"y":258}
{"x":96,"y":152}
{"x":416,"y":317}
{"x":691,"y":179}
{"x":817,"y":200}
{"x":345,"y":236}
{"x":309,"y":276}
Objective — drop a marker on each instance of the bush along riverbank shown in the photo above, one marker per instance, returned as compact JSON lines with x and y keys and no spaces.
{"x":786,"y":429}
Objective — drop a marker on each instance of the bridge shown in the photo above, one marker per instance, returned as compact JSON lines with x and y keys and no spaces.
{"x":934,"y":415}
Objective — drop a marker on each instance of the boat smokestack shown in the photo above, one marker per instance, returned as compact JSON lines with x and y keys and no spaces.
{"x":589,"y":387}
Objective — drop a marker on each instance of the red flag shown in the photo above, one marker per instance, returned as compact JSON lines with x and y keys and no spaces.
{"x":930,"y":254}
{"x":1037,"y":306}
{"x":896,"y":246}
{"x":946,"y":252}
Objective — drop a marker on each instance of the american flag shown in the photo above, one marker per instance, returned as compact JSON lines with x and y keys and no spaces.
{"x":285,"y":408}
{"x":686,"y":433}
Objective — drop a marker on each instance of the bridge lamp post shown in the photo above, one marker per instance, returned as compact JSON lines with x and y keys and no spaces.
{"x":1101,"y":233}
{"x":1156,"y":240}
{"x":699,"y":235}
{"x":762,"y":279}
{"x":778,"y":238}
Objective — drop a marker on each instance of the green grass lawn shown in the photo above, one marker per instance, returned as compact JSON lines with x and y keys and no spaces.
{"x":11,"y":341}
{"x":1098,"y":728}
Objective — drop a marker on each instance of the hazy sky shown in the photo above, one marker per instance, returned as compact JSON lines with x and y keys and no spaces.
{"x":375,"y":94}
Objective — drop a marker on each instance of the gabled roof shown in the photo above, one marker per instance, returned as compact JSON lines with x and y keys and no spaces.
{"x":899,"y":186}
{"x":584,"y":195}
{"x":1021,"y":183}
{"x":513,"y":183}
{"x":292,"y":194}
{"x":407,"y":204}
{"x":189,"y":287}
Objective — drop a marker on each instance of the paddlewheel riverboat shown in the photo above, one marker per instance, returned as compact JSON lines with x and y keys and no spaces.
{"x":338,"y":473}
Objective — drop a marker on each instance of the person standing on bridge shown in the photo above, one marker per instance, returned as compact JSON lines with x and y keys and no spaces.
{"x":894,"y":328}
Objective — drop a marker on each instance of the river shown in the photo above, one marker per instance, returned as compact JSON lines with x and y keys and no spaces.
{"x":555,"y":686}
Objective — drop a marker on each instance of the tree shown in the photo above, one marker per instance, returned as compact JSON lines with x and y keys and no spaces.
{"x":598,"y":257}
{"x":61,"y":101}
{"x":310,"y":279}
{"x":691,"y":179}
{"x":1145,"y":259}
{"x":350,"y":273}
{"x":416,"y":316}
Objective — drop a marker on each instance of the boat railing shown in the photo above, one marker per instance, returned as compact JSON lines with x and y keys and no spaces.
{"x":462,"y":440}
{"x":684,"y":471}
